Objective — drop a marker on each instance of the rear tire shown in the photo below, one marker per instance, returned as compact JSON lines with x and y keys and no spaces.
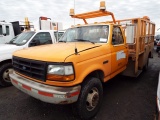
{"x":145,"y":68}
{"x":4,"y":74}
{"x":89,"y":100}
{"x":157,"y":50}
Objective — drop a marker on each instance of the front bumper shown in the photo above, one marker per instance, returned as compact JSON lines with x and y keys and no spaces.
{"x":46,"y":93}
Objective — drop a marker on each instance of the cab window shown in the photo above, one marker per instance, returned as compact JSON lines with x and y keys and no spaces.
{"x":117,"y":37}
{"x":43,"y":38}
{"x":7,"y":30}
{"x":1,"y":30}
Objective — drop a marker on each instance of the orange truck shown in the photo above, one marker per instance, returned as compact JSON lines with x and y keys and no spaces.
{"x":88,"y":55}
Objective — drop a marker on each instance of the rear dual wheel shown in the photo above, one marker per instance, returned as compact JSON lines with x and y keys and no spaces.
{"x":145,"y":68}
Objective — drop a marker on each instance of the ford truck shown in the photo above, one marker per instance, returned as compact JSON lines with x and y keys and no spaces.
{"x":86,"y":56}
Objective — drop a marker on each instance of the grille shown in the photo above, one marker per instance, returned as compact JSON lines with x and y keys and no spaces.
{"x":30,"y":68}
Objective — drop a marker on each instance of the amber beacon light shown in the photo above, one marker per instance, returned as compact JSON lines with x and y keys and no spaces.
{"x":102,"y":5}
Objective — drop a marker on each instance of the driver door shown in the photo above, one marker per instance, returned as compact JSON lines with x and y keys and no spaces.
{"x":119,"y":51}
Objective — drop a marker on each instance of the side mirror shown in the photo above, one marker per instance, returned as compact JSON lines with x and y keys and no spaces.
{"x":34,"y":43}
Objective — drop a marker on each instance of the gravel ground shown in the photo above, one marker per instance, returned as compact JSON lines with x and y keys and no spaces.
{"x":125,"y":98}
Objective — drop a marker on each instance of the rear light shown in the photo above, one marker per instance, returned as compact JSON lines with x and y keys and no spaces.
{"x":158,"y":43}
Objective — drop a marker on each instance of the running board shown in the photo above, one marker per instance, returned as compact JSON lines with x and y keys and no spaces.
{"x":131,"y":74}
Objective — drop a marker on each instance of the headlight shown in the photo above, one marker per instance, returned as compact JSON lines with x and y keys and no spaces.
{"x":60,"y":72}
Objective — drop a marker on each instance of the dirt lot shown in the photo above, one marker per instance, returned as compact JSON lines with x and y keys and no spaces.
{"x":124,"y":99}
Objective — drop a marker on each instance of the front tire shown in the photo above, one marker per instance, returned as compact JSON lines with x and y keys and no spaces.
{"x":90,"y":99}
{"x":4,"y":74}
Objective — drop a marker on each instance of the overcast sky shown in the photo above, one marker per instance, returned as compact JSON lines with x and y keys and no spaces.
{"x":58,"y":10}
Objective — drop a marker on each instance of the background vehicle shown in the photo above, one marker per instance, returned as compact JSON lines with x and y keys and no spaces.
{"x":157,"y":39}
{"x":9,"y":30}
{"x":87,"y":56}
{"x":158,"y":46}
{"x":158,"y":95}
{"x":6,"y":32}
{"x":22,"y":41}
{"x":46,"y":23}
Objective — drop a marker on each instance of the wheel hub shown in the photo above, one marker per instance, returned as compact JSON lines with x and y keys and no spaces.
{"x":92,"y":99}
{"x":6,"y":75}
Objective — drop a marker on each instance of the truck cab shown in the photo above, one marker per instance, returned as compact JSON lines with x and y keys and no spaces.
{"x":105,"y":38}
{"x":6,"y":32}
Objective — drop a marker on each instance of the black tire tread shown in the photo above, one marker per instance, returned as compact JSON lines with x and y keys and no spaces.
{"x":2,"y":68}
{"x":78,"y":106}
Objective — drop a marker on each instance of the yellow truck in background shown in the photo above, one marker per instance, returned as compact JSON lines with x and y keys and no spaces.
{"x":73,"y":70}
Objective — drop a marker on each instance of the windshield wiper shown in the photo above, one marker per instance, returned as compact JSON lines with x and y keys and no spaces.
{"x":10,"y":43}
{"x":84,"y":40}
{"x":62,"y":41}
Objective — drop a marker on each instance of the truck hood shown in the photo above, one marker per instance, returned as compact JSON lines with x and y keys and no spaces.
{"x":57,"y":52}
{"x":8,"y":48}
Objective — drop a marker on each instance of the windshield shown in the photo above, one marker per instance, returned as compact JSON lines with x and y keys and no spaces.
{"x":22,"y":38}
{"x":96,"y":34}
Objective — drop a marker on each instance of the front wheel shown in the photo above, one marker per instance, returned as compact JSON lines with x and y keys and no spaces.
{"x":4,"y":74}
{"x":90,"y":99}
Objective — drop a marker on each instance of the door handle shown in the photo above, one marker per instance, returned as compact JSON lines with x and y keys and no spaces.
{"x":105,"y":62}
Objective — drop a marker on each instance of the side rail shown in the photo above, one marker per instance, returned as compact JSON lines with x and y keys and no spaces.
{"x":139,"y":32}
